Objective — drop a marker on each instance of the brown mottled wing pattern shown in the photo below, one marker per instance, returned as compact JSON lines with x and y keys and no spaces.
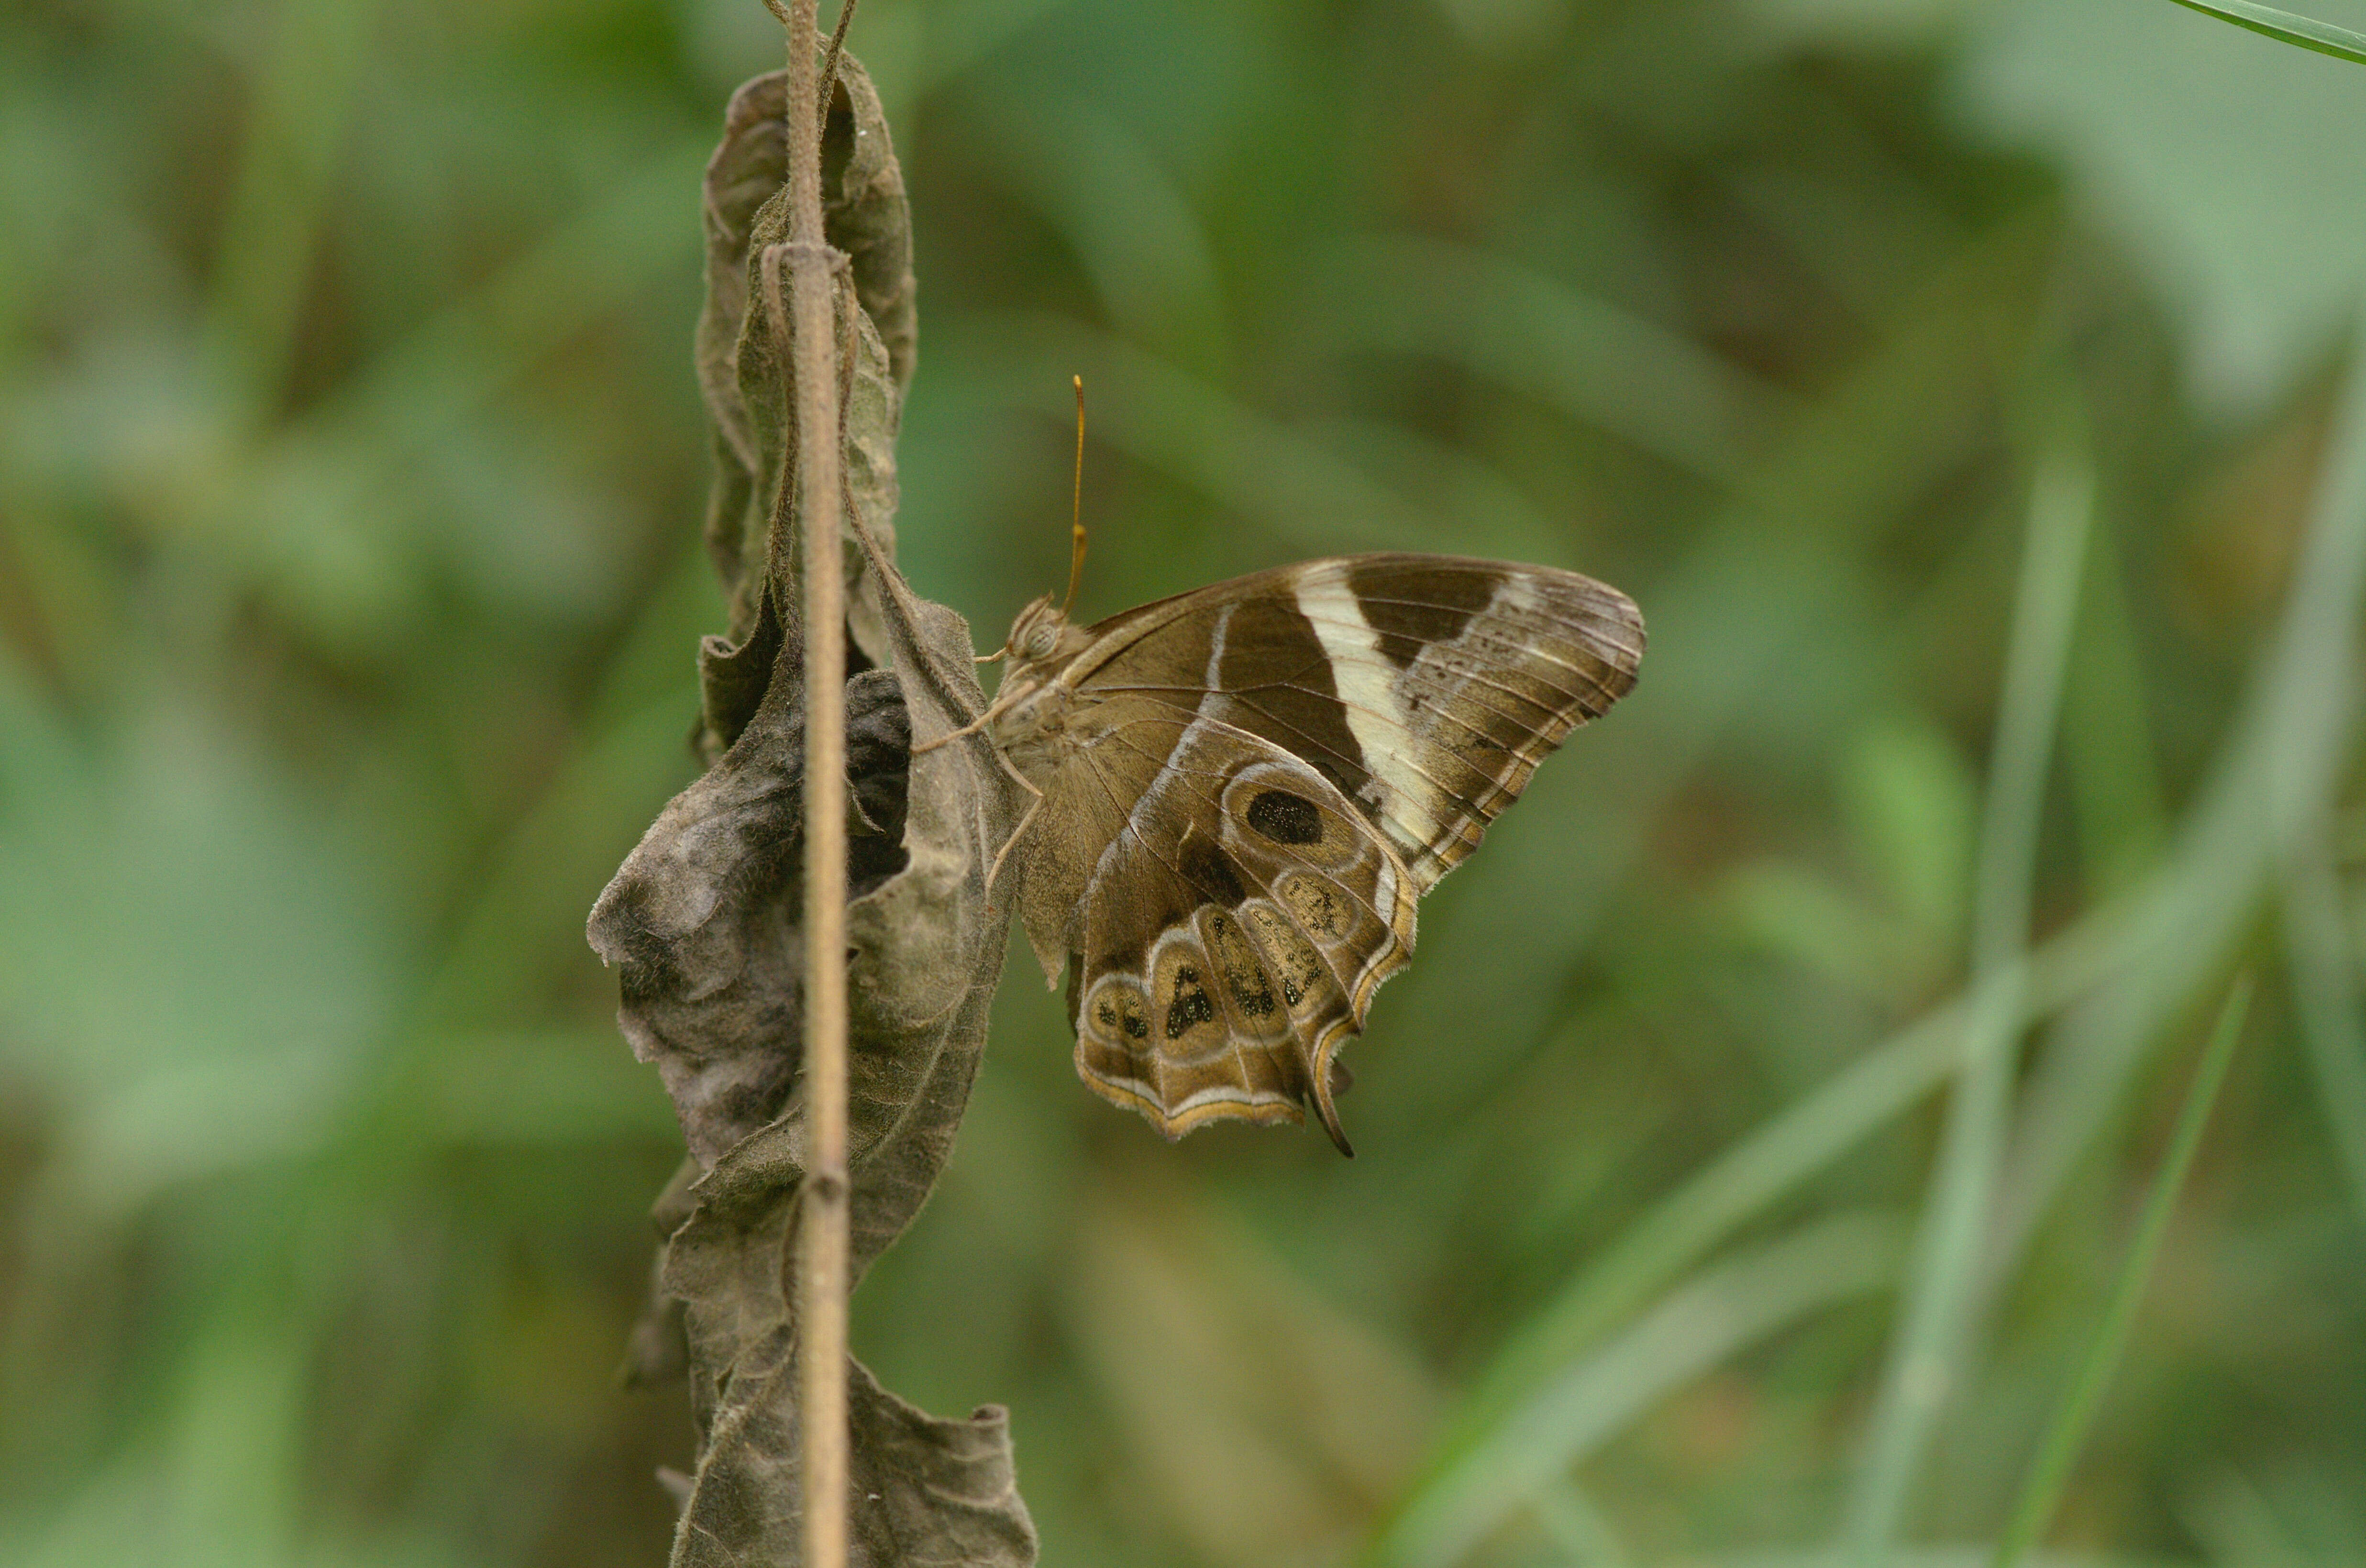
{"x":1234,"y":929}
{"x":1265,"y":775}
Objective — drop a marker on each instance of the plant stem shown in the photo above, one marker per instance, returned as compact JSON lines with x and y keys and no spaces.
{"x":822,"y":1223}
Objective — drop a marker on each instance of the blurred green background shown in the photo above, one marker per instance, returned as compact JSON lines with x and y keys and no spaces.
{"x":350,"y":476}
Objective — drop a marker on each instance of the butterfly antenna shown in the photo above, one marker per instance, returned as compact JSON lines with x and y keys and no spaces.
{"x":1077,"y":514}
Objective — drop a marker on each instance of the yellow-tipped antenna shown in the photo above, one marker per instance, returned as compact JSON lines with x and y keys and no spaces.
{"x":1077,"y":517}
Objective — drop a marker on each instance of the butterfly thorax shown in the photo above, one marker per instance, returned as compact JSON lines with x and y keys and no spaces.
{"x":1033,"y":704}
{"x":1031,"y":730}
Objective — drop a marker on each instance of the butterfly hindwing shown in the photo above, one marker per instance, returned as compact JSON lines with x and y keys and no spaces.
{"x":1233,"y":928}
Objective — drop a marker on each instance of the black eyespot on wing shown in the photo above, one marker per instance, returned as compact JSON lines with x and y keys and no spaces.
{"x":1115,"y":1018}
{"x":1191,"y":1004}
{"x":1286,"y":818}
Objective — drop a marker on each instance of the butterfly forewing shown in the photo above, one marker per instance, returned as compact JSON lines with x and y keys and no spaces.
{"x":1426,"y":688}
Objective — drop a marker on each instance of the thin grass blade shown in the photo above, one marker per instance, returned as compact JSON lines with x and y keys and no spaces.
{"x":1756,"y":1173}
{"x":2319,"y":948}
{"x":2272,"y":781}
{"x":1578,"y":1527}
{"x":1926,"y":1358}
{"x":2302,"y":32}
{"x":1724,"y":1309}
{"x":2068,"y":1430}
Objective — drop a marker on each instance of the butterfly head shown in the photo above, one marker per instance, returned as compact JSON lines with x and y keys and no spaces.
{"x":1042,"y":634}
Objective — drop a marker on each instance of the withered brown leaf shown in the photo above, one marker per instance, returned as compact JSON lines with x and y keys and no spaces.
{"x":703,"y":917}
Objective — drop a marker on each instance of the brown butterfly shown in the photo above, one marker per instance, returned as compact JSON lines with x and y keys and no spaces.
{"x":1239,"y":792}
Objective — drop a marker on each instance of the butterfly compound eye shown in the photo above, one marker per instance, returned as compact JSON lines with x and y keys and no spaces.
{"x":1040,"y":640}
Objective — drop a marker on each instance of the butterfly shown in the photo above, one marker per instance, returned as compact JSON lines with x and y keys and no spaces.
{"x":1240,"y":792}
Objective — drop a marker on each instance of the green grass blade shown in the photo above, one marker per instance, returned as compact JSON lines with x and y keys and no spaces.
{"x":1925,"y":1360}
{"x":2318,"y":946}
{"x":2302,"y":32}
{"x":2274,"y":778}
{"x":2119,"y":802}
{"x":2077,"y":1411}
{"x":1579,"y":1528}
{"x":1748,"y":1178}
{"x":1722,"y":1309}
{"x":2061,"y":510}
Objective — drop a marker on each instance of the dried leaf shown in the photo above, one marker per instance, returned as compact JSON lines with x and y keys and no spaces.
{"x":743,"y":376}
{"x":703,"y":915}
{"x":695,"y":917}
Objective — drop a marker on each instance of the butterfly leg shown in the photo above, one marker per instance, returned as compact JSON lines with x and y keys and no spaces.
{"x":1016,"y":834}
{"x":993,"y":711}
{"x":1012,"y":769}
{"x":1024,"y":822}
{"x":971,"y":727}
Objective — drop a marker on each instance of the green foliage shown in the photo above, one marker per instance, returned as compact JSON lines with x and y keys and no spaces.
{"x":351,"y":476}
{"x":2322,"y":37}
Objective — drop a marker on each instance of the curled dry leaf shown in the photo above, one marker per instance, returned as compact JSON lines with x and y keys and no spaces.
{"x":703,"y":915}
{"x":744,"y":377}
